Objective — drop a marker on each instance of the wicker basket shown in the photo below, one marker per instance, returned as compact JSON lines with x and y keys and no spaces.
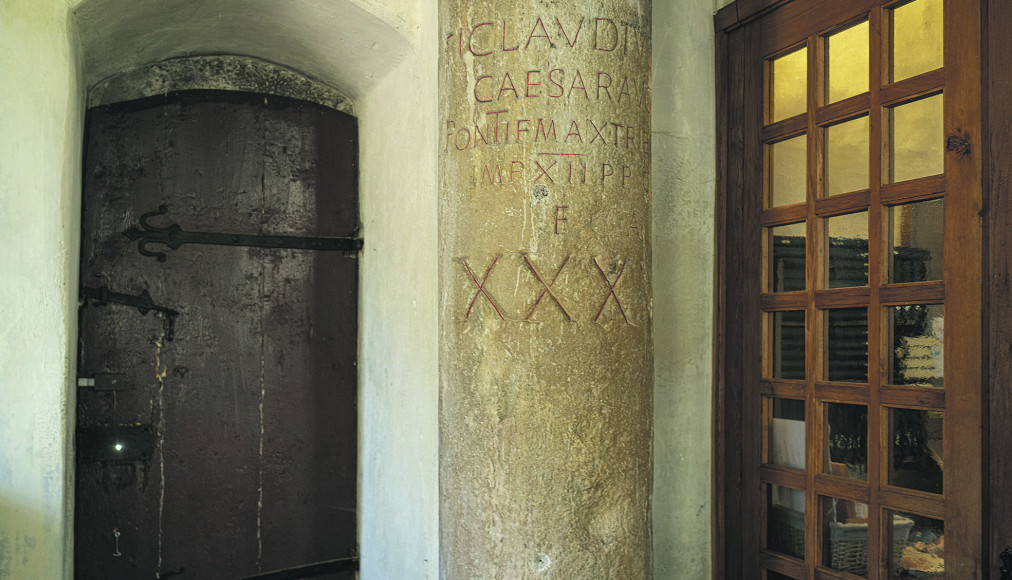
{"x":848,"y":543}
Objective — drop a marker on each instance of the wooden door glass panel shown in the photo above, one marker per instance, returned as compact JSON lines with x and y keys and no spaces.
{"x":848,"y":250}
{"x":788,"y":345}
{"x":917,"y":547}
{"x":915,"y":139}
{"x":846,"y":345}
{"x":787,"y":433}
{"x":846,"y":156}
{"x":787,"y":267}
{"x":788,"y":176}
{"x":917,"y":345}
{"x":858,"y":94}
{"x":916,"y":245}
{"x":845,"y":535}
{"x":785,"y":530}
{"x":917,"y":39}
{"x":847,"y":63}
{"x":789,"y":85}
{"x":846,"y":441}
{"x":916,"y":457}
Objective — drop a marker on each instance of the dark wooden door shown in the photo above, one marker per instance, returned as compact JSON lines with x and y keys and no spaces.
{"x":223,"y":444}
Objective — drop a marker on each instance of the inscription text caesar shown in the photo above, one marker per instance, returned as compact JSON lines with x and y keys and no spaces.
{"x":553,"y":149}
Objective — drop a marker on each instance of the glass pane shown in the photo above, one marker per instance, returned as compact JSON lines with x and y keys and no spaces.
{"x":847,"y":63}
{"x":789,"y":345}
{"x":788,"y":175}
{"x":847,"y":440}
{"x":847,"y":345}
{"x":847,"y":156}
{"x":915,"y":143}
{"x":771,"y":575}
{"x":916,"y":38}
{"x":785,"y":524}
{"x":848,"y":250}
{"x":916,"y":239}
{"x":918,"y":345}
{"x":918,"y":546}
{"x":916,"y":458}
{"x":787,"y":433}
{"x":845,"y":535}
{"x":790,"y":85}
{"x":788,"y":265}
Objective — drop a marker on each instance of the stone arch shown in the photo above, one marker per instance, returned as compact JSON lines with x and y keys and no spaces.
{"x":221,"y":72}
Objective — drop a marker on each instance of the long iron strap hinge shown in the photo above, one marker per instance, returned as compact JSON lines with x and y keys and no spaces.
{"x":173,"y":237}
{"x":142,"y":302}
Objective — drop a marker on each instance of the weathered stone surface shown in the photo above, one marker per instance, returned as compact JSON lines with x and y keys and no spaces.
{"x":224,"y":72}
{"x":545,"y":318}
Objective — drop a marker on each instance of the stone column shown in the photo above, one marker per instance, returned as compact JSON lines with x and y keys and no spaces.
{"x":545,"y":341}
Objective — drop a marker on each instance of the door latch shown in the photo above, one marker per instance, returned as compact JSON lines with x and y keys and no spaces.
{"x":104,"y":382}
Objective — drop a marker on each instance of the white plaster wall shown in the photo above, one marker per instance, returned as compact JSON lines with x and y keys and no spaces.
{"x":398,"y":324}
{"x":40,"y":153}
{"x":683,"y":172}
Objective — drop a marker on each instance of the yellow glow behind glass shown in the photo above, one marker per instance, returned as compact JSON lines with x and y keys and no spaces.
{"x":847,"y":63}
{"x":790,"y":85}
{"x":917,"y":38}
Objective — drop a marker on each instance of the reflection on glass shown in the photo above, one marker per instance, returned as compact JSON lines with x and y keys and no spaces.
{"x":788,"y":251}
{"x":847,"y":345}
{"x":916,"y":459}
{"x":846,"y":152}
{"x":787,"y":433}
{"x":845,"y":535}
{"x":785,"y":523}
{"x":847,"y":63}
{"x":918,"y":546}
{"x":787,"y":166}
{"x":789,"y":345}
{"x":915,"y":142}
{"x":847,"y":440}
{"x":848,"y":250}
{"x":790,"y":85}
{"x":916,"y":238}
{"x":916,"y":38}
{"x":918,"y":344}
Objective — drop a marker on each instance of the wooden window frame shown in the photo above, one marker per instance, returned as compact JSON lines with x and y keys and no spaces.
{"x":977,"y":226}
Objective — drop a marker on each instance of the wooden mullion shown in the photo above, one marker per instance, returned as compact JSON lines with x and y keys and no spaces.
{"x":912,"y":293}
{"x":965,"y":468}
{"x":925,"y":398}
{"x":877,"y":271}
{"x":855,"y":297}
{"x":783,"y":215}
{"x":920,"y":189}
{"x":845,"y":110}
{"x":814,"y":266}
{"x":783,"y":389}
{"x":784,"y":129}
{"x":842,"y":392}
{"x":922,"y":85}
{"x":782,"y":563}
{"x":843,"y":203}
{"x":841,"y":488}
{"x":783,"y":476}
{"x":782,"y":301}
{"x":918,"y":502}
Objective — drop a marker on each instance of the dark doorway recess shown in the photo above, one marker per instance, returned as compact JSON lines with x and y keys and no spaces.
{"x":216,"y":408}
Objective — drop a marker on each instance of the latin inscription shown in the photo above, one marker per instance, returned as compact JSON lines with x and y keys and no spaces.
{"x":521,"y":150}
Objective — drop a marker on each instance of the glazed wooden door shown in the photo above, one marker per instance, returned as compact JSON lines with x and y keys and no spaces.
{"x":852,"y":352}
{"x":217,"y":440}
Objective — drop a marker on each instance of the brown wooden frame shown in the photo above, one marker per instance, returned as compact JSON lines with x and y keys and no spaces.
{"x":748,"y":31}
